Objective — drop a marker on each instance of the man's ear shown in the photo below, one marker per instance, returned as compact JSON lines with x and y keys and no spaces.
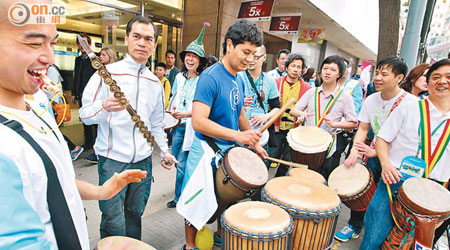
{"x":399,"y":78}
{"x":230,"y":45}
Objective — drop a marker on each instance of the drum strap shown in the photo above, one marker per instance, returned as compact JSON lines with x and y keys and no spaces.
{"x":328,"y":108}
{"x":212,"y":144}
{"x":63,"y":226}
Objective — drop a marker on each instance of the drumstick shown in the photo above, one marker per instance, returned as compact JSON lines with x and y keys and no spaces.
{"x":289,"y":163}
{"x":277,"y":115}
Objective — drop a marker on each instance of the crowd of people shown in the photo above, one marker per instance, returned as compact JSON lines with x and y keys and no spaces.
{"x":219,"y":104}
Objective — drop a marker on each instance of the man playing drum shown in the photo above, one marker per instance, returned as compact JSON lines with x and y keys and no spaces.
{"x":40,"y":198}
{"x":375,"y":109}
{"x":335,"y":105}
{"x":399,"y":144}
{"x":217,"y":112}
{"x":289,"y":86}
{"x":119,"y":143}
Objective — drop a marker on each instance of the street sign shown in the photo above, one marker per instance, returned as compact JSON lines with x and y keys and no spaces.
{"x":256,"y":10}
{"x":285,"y":24}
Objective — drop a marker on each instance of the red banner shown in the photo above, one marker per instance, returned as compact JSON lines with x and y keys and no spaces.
{"x":256,"y":10}
{"x":285,"y":24}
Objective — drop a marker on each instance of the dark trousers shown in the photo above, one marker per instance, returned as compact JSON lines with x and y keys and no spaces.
{"x":90,"y":133}
{"x":69,"y":143}
{"x":281,"y":151}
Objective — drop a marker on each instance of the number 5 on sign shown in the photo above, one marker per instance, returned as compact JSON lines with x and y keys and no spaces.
{"x":284,"y":26}
{"x":254,"y":12}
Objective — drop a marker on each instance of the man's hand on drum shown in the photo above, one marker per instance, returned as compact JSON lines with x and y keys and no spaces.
{"x":352,"y":158}
{"x":179,"y":115}
{"x":302,"y":116}
{"x":118,"y":181}
{"x":260,"y":151}
{"x":365,"y":149}
{"x":112,"y":104}
{"x":390,"y":174}
{"x":259,"y":120}
{"x":169,"y":161}
{"x":248,"y":137}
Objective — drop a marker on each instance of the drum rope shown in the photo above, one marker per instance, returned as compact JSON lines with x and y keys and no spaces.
{"x":328,"y":108}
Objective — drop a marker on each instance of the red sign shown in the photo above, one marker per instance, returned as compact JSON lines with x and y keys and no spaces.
{"x":285,"y":24}
{"x":256,"y":10}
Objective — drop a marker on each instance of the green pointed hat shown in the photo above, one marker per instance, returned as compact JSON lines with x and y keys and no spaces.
{"x":196,"y":46}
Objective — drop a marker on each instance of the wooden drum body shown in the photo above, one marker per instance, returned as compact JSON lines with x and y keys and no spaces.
{"x":354,"y":185}
{"x":420,"y":205}
{"x":241,"y":173}
{"x":119,"y":240}
{"x":309,"y":145}
{"x":314,"y":208}
{"x":306,"y":174}
{"x":255,"y":225}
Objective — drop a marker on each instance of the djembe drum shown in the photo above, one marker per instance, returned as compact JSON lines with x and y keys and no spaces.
{"x":119,"y":240}
{"x":306,"y":174}
{"x":420,"y":205}
{"x":354,"y":185}
{"x":241,"y":173}
{"x":314,"y":208}
{"x":309,"y":145}
{"x":255,"y":225}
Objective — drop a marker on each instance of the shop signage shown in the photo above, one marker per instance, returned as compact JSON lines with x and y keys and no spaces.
{"x":256,"y":10}
{"x":285,"y":23}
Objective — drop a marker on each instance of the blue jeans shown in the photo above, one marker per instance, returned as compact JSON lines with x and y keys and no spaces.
{"x":121,"y":215}
{"x":177,"y":151}
{"x":378,"y":220}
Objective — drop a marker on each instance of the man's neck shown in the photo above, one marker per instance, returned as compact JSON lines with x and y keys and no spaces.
{"x":329,"y":87}
{"x":291,"y":79}
{"x":169,"y":67}
{"x":227,"y":65}
{"x":12,"y":100}
{"x":441,"y":104}
{"x":255,"y":73}
{"x":388,"y":94}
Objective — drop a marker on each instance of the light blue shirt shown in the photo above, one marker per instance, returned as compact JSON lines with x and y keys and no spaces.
{"x":275,"y":73}
{"x":183,"y":91}
{"x":268,"y":86}
{"x":353,"y":87}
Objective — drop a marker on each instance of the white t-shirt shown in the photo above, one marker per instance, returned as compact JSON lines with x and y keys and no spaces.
{"x":375,"y":110}
{"x":401,"y":130}
{"x":32,"y":170}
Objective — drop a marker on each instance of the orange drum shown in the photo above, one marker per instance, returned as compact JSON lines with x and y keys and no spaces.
{"x":306,"y":174}
{"x":241,"y":173}
{"x":309,"y":145}
{"x":256,"y":225}
{"x":420,"y":205}
{"x":313,"y":206}
{"x":119,"y":240}
{"x":354,"y":185}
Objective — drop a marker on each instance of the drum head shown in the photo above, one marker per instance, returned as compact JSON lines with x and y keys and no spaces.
{"x":118,"y":240}
{"x":246,"y":167}
{"x":264,"y":138}
{"x":257,"y":217}
{"x":306,"y":174}
{"x":300,"y":194}
{"x":309,"y":139}
{"x":170,"y":122}
{"x":348,"y":181}
{"x":426,"y":196}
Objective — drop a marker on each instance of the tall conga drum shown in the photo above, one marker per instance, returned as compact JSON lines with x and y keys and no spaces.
{"x":239,"y":176}
{"x":119,"y":240}
{"x":306,"y":174}
{"x":314,"y":208}
{"x":420,"y":205}
{"x":255,"y":225}
{"x":309,"y":145}
{"x":354,"y":185}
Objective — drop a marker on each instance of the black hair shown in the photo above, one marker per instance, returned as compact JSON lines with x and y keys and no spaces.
{"x":171,"y":52}
{"x":144,"y":20}
{"x":283,"y":51}
{"x":243,"y":31}
{"x":397,"y":65}
{"x":437,"y":65}
{"x":345,"y":60}
{"x":292,"y":57}
{"x":308,"y":75}
{"x":161,"y":64}
{"x":211,"y":60}
{"x":338,"y":61}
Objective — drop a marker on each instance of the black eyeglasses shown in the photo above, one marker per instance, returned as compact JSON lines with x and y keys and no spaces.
{"x":256,"y":57}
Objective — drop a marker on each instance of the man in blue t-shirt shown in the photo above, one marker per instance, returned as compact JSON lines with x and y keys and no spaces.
{"x":217,"y":109}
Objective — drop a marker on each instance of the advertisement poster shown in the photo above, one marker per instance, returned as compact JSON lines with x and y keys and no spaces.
{"x":285,"y":24}
{"x":256,"y":10}
{"x":311,"y":35}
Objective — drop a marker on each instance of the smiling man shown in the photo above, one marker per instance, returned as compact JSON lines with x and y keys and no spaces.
{"x":40,"y":198}
{"x":119,"y":144}
{"x":217,"y":109}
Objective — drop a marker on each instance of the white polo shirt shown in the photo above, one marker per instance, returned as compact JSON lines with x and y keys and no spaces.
{"x":401,"y":130}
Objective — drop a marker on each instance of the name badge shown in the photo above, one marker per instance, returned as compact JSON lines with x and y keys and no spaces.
{"x":412,"y":167}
